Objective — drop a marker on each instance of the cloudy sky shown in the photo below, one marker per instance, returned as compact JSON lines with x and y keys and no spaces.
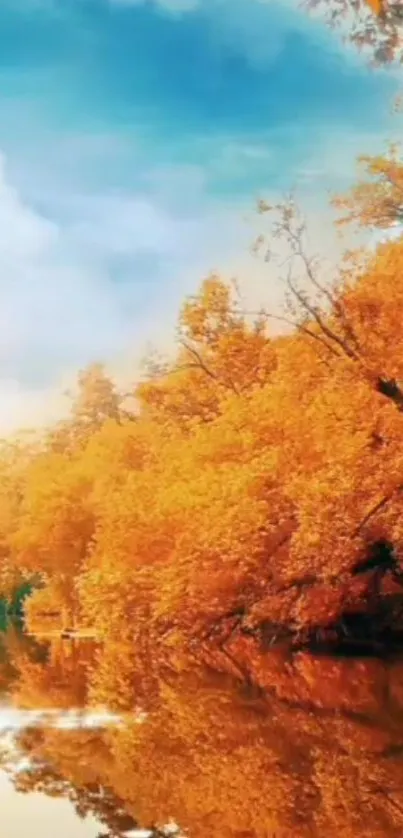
{"x":135,"y":137}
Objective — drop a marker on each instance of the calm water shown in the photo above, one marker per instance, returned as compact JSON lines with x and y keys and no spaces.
{"x":317,"y":752}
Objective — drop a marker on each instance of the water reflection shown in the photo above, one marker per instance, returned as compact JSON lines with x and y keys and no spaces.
{"x":316,"y":751}
{"x":41,"y":814}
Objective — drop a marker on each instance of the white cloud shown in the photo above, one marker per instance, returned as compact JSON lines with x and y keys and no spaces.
{"x":63,"y":302}
{"x":337,"y":160}
{"x":105,"y":274}
{"x":31,"y":408}
{"x":58,"y":306}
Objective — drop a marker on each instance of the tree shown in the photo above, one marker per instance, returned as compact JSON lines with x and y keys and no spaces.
{"x":377,"y":201}
{"x":95,"y":402}
{"x":375,"y":25}
{"x":16,"y":456}
{"x":55,"y":525}
{"x":97,"y":399}
{"x":227,"y":526}
{"x":222,"y":351}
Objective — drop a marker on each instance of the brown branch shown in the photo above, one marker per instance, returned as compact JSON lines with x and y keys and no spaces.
{"x":315,"y":313}
{"x":203,"y":366}
{"x":377,"y":508}
{"x":299,"y":326}
{"x":200,"y":363}
{"x":390,"y":389}
{"x":295,"y":239}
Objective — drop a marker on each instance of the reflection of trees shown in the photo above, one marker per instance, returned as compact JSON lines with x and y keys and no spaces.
{"x":92,"y":800}
{"x":72,"y":765}
{"x":89,"y":799}
{"x":232,"y":764}
{"x":58,"y":679}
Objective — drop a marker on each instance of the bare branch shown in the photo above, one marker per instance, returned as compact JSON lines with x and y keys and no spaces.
{"x":314,"y":312}
{"x":331,"y":298}
{"x":200,"y":363}
{"x":377,"y":508}
{"x":294,"y":235}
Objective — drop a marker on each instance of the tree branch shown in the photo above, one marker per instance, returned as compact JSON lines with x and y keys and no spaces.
{"x":203,"y":366}
{"x":377,"y":508}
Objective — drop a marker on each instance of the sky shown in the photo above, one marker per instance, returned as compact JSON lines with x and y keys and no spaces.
{"x":135,"y":138}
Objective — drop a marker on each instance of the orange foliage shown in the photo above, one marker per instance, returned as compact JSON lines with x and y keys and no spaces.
{"x":160,"y":525}
{"x":235,"y":764}
{"x":231,"y":509}
{"x":377,"y":200}
{"x":376,"y":6}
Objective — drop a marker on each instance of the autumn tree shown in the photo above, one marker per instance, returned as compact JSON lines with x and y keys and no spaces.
{"x":177,"y":534}
{"x":16,"y":456}
{"x":55,"y":525}
{"x":377,"y":201}
{"x":221,"y":352}
{"x":180,"y":534}
{"x":95,"y":401}
{"x":374,"y":25}
{"x":235,"y":537}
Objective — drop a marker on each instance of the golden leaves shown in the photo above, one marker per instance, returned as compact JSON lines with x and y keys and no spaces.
{"x":250,"y":468}
{"x":377,"y":6}
{"x":376,"y":201}
{"x":243,"y":494}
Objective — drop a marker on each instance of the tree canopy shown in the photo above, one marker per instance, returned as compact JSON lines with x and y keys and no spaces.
{"x":248,"y":503}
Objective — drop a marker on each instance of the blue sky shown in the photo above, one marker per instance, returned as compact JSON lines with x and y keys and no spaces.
{"x":135,"y":137}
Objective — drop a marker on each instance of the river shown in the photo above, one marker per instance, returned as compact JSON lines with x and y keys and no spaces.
{"x":316,"y":750}
{"x":50,"y":817}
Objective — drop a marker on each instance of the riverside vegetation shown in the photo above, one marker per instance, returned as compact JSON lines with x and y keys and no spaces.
{"x":232,"y":536}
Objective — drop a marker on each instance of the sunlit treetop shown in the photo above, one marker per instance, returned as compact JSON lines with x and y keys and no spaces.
{"x":376,"y":201}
